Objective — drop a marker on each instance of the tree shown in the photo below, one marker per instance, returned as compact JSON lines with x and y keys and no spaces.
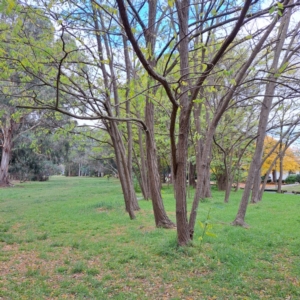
{"x":277,"y":67}
{"x":13,"y":81}
{"x":290,"y":162}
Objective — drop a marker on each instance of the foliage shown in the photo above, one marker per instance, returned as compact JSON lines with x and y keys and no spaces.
{"x":291,"y":161}
{"x":292,"y":178}
{"x":207,"y":227}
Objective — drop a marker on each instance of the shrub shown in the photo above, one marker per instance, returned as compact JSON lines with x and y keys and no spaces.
{"x":291,"y":179}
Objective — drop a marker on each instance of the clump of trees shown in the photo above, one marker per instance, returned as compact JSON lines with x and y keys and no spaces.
{"x":197,"y":84}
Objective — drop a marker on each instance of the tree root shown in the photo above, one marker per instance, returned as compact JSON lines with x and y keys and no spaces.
{"x":167,"y":224}
{"x":240,"y":222}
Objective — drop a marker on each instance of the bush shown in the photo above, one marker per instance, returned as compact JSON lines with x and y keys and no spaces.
{"x":292,"y":179}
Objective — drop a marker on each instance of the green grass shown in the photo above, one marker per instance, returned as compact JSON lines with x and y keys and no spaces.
{"x":70,"y":238}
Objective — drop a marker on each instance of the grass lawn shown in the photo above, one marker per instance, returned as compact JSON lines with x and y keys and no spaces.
{"x":69,"y":238}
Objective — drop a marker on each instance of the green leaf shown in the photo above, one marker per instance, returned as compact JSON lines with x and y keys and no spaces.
{"x":201,"y":224}
{"x":280,"y":5}
{"x":201,"y":100}
{"x":272,"y":9}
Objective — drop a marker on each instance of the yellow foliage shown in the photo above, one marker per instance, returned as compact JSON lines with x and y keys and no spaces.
{"x":291,"y":162}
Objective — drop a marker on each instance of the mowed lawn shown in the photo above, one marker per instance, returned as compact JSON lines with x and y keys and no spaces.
{"x":70,"y":238}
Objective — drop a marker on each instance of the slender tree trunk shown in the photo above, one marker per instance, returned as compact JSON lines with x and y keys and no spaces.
{"x":143,"y":172}
{"x":160,"y":216}
{"x":183,"y":234}
{"x":228,"y":189}
{"x":263,"y":186}
{"x":256,"y":186}
{"x":192,"y":172}
{"x":279,"y":188}
{"x":126,"y":182}
{"x":197,"y":113}
{"x":206,"y":184}
{"x":7,"y":132}
{"x":6,"y":152}
{"x":115,"y":134}
{"x":263,"y":121}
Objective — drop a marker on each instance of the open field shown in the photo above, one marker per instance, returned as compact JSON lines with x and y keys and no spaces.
{"x":70,"y":238}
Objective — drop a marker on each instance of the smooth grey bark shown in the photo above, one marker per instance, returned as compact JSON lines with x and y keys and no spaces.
{"x":7,"y":138}
{"x":263,"y":121}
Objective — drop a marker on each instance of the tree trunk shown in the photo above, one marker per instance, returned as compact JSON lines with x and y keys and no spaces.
{"x":7,"y":132}
{"x":222,"y":181}
{"x":143,"y":170}
{"x":256,"y":186}
{"x":263,"y":121}
{"x":160,"y":216}
{"x":274,"y":176}
{"x":131,"y":203}
{"x":281,"y":155}
{"x":228,"y":189}
{"x":192,"y":173}
{"x":125,"y":179}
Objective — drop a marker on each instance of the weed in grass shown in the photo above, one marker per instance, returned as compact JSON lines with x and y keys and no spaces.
{"x":8,"y":238}
{"x":94,"y":282}
{"x":142,"y":275}
{"x":75,"y":245}
{"x":32,"y":272}
{"x":56,"y":244}
{"x":92,"y":271}
{"x":112,"y":265}
{"x":81,"y":291}
{"x":107,"y":277}
{"x":42,"y":236}
{"x":66,"y":284}
{"x":79,"y":267}
{"x":103,"y":206}
{"x":4,"y":227}
{"x":127,"y":258}
{"x":62,"y":270}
